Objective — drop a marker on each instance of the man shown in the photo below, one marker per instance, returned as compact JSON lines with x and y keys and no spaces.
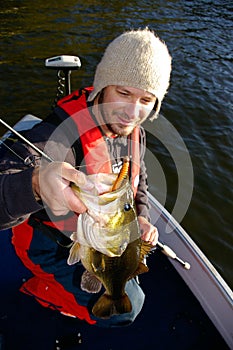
{"x":92,"y":129}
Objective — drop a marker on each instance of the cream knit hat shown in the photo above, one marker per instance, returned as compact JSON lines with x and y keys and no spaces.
{"x":137,"y":59}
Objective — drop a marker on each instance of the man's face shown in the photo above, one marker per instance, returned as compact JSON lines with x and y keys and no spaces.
{"x":123,"y":107}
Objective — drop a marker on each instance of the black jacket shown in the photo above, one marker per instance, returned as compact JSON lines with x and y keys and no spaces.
{"x":17,"y":201}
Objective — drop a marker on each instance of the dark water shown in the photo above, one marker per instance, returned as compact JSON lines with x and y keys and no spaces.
{"x":199,"y":103}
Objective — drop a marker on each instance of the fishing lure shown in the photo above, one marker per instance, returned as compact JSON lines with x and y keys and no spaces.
{"x":122,"y":175}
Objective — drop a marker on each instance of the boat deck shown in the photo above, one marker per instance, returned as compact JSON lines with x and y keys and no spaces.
{"x":171,"y":318}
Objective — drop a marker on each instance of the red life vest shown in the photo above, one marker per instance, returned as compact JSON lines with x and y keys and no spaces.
{"x":96,"y":155}
{"x":43,"y":286}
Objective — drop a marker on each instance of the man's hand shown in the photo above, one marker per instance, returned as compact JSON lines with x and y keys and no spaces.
{"x":149,"y":233}
{"x":52,"y":182}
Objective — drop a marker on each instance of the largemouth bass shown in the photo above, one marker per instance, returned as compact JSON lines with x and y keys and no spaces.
{"x":108,"y":244}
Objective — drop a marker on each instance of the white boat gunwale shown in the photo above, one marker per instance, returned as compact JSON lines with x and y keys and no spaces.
{"x":218,"y":304}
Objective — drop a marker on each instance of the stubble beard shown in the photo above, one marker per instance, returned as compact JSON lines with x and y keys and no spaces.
{"x":115,"y":128}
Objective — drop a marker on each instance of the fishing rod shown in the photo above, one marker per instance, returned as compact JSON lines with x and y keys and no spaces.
{"x":26,"y":141}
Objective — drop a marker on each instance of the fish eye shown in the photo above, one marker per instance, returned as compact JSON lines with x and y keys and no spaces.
{"x":127,"y":207}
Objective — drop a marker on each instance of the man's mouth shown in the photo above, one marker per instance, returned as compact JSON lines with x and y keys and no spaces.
{"x":125,"y":122}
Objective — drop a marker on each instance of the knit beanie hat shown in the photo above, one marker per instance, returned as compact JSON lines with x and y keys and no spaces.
{"x":138,"y":59}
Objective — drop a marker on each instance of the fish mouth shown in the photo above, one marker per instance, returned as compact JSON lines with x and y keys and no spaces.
{"x":105,"y":194}
{"x":107,"y":226}
{"x":111,"y":242}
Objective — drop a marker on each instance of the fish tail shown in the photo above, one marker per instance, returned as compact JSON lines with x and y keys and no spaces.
{"x":106,"y":306}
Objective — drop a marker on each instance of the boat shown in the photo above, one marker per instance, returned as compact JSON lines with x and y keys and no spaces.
{"x":184,"y":308}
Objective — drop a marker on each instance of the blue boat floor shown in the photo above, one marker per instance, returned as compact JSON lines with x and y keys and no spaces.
{"x":171,"y":316}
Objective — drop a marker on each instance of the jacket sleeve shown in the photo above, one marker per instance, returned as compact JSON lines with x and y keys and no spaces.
{"x":16,"y":198}
{"x":141,"y":199}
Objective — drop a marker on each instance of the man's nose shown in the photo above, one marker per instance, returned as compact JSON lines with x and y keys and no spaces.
{"x":133,"y":110}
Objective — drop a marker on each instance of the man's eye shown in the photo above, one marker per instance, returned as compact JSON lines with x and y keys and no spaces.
{"x":146,"y":101}
{"x":124,"y":93}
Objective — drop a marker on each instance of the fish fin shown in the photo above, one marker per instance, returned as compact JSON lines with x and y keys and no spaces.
{"x":90,"y":283}
{"x":74,"y":255}
{"x":145,"y":249}
{"x":98,"y":262}
{"x":74,"y":236}
{"x":106,"y":306}
{"x":142,"y":268}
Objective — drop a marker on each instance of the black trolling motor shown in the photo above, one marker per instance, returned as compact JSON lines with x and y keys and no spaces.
{"x":64,"y":65}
